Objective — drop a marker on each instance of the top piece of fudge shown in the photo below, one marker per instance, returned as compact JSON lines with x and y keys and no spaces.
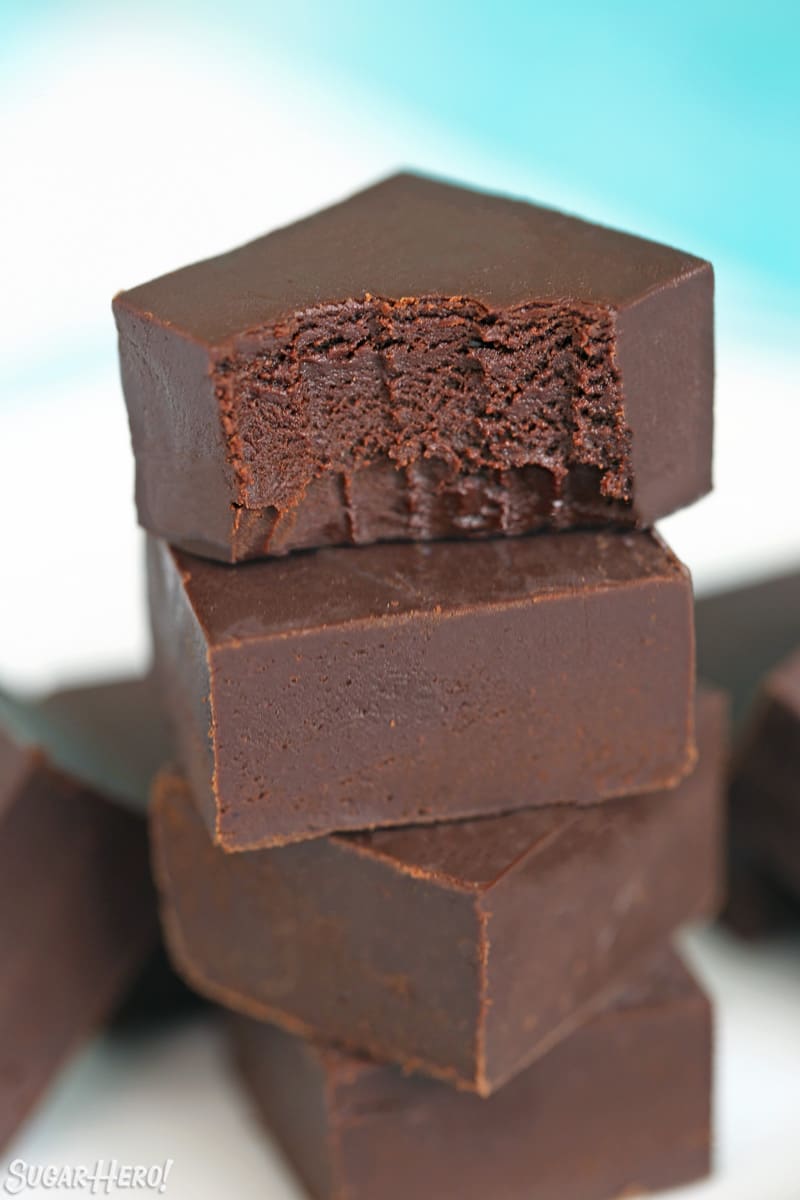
{"x":419,"y":361}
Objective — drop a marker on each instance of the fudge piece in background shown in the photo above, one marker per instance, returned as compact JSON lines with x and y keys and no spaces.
{"x":765,"y":781}
{"x":78,"y":918}
{"x":742,"y":634}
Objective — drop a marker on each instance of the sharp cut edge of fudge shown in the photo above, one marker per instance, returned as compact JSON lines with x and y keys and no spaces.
{"x":228,"y":996}
{"x":292,"y":382}
{"x":622,"y":1106}
{"x":373,"y":626}
{"x":79,"y":920}
{"x":461,"y":875}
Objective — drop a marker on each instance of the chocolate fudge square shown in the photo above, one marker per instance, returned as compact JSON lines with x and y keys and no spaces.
{"x":396,"y":684}
{"x":78,"y":919}
{"x":744,"y":632}
{"x":462,"y":950}
{"x":765,"y":784}
{"x":420,"y":361}
{"x":622,"y":1107}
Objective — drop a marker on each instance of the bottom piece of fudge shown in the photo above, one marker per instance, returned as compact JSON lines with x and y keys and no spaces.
{"x":462,"y":950}
{"x":621,"y":1107}
{"x":77,"y":905}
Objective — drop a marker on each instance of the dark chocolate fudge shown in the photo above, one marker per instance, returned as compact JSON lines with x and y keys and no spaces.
{"x":756,"y":905}
{"x":620,"y":1108}
{"x":112,"y":734}
{"x":78,"y":917}
{"x":462,"y":950}
{"x":393,"y":684}
{"x":420,"y":361}
{"x":743,"y":632}
{"x":765,"y":785}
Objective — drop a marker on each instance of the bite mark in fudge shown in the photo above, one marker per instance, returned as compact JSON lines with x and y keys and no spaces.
{"x":420,"y":361}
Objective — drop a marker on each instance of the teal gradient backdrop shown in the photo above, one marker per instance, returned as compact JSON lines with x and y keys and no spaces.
{"x":685,"y":116}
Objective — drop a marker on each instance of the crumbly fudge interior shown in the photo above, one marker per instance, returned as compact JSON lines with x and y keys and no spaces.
{"x":425,"y":380}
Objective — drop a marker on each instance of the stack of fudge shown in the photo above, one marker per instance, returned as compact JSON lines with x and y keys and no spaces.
{"x":444,"y":787}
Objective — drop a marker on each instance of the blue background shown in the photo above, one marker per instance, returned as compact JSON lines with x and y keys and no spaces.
{"x":681,"y":118}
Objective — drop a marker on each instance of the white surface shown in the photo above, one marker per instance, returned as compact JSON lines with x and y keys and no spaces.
{"x":109,"y":129}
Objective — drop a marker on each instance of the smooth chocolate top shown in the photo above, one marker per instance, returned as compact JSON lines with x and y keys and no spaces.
{"x":471,"y":853}
{"x":371,"y":583}
{"x":410,"y":236}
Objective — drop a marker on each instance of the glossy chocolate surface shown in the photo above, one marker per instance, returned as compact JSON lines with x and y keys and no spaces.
{"x":394,"y":684}
{"x":420,"y":361}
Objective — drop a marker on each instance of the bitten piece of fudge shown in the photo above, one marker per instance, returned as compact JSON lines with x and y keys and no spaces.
{"x":420,"y":361}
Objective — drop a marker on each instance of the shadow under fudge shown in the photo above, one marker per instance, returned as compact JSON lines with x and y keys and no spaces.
{"x":392,"y":684}
{"x":417,"y":362}
{"x":462,"y":950}
{"x":621,"y":1107}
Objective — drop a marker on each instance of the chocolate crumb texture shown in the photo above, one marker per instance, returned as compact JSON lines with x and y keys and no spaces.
{"x":420,"y":361}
